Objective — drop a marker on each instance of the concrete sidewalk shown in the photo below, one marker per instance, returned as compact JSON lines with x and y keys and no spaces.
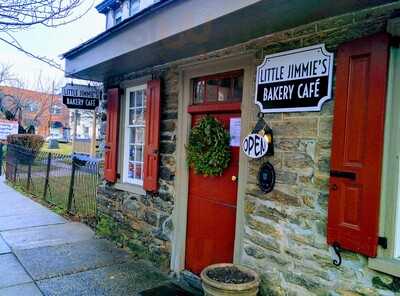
{"x":41,"y":253}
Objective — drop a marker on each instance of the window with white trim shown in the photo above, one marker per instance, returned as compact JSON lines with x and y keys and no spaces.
{"x":118,"y":15}
{"x":134,"y":7}
{"x":135,"y":110}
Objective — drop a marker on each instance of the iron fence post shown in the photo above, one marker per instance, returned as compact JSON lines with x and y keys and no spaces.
{"x":1,"y":159}
{"x":71,"y":185}
{"x":15,"y":170}
{"x":46,"y":181}
{"x":29,"y":176}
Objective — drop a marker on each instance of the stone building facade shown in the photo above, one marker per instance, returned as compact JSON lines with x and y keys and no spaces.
{"x":283,"y":233}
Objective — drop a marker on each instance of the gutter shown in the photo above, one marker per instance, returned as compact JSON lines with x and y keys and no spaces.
{"x":115,"y":29}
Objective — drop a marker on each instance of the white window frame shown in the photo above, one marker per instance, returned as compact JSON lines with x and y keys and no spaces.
{"x":130,"y":7}
{"x":118,"y":11}
{"x":388,"y":260}
{"x":54,"y":108}
{"x":126,"y":133}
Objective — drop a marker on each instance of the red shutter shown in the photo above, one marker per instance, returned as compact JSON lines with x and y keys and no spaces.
{"x":357,"y":144}
{"x":152,"y":141}
{"x":111,"y":147}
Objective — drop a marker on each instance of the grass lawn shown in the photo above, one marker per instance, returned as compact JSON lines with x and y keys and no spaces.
{"x":65,"y":148}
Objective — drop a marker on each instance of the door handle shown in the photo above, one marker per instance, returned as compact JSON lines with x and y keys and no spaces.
{"x":345,"y":175}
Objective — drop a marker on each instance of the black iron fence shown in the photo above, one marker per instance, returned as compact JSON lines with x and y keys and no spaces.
{"x":65,"y":181}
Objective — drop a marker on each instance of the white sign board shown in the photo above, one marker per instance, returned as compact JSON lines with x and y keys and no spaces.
{"x":8,"y":127}
{"x":255,"y":146}
{"x":234,"y":132}
{"x":77,"y":96}
{"x":295,"y":81}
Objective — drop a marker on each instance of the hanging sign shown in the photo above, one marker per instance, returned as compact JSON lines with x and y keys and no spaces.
{"x":77,"y":96}
{"x":255,"y":146}
{"x":8,"y":127}
{"x":295,"y":81}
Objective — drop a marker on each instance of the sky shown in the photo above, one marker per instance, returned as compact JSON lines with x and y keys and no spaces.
{"x":49,"y":42}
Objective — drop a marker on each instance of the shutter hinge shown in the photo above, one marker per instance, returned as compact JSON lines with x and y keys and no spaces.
{"x":394,"y":41}
{"x":118,"y":175}
{"x":382,"y":241}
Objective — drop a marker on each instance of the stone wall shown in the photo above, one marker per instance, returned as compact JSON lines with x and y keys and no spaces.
{"x":285,"y":230}
{"x":144,"y":222}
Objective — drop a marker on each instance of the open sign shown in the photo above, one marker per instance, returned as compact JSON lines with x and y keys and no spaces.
{"x":255,"y":146}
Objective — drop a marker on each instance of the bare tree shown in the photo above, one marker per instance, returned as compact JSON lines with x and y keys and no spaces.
{"x":30,"y":111}
{"x":6,"y":75}
{"x":17,"y":15}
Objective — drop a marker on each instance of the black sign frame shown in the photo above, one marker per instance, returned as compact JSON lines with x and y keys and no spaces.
{"x":281,"y":88}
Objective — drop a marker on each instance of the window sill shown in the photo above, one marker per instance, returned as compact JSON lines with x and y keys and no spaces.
{"x":131,"y":188}
{"x":385,"y":265}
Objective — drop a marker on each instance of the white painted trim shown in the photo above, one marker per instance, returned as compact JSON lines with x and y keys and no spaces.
{"x":184,"y":122}
{"x":125,"y":157}
{"x":294,"y":51}
{"x":389,"y":226}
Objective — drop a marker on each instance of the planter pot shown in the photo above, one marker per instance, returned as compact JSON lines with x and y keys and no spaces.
{"x":238,"y":280}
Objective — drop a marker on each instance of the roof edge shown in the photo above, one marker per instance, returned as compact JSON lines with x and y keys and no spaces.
{"x":103,"y":6}
{"x":114,"y":29}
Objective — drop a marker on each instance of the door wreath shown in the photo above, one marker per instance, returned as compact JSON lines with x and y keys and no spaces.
{"x":208,"y":151}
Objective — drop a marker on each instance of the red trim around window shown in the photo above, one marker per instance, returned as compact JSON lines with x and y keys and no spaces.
{"x":215,"y":108}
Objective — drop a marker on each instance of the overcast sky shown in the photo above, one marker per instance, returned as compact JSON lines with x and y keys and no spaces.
{"x":49,"y":42}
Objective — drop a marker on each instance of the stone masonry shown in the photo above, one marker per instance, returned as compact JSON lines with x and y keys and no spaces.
{"x":285,"y":230}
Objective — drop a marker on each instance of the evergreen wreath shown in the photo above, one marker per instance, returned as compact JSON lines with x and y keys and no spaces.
{"x":208,"y":151}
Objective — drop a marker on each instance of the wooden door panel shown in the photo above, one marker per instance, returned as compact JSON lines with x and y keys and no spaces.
{"x":210,"y":234}
{"x":212,"y":211}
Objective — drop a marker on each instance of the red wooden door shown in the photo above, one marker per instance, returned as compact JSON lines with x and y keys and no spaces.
{"x":357,"y":144}
{"x":212,"y":211}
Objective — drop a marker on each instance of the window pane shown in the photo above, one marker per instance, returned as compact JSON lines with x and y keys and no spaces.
{"x":212,"y":90}
{"x":139,"y":120}
{"x":139,"y":135}
{"x":132,"y":137}
{"x":224,"y":89}
{"x":139,"y":153}
{"x":138,"y":171}
{"x":237,"y":88}
{"x":132,"y":99}
{"x":132,"y":152}
{"x":131,"y":169}
{"x":132,"y":117}
{"x":139,"y":99}
{"x":134,"y":6}
{"x":198,"y":91}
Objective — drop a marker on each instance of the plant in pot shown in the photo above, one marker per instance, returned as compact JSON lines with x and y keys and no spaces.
{"x":228,"y":279}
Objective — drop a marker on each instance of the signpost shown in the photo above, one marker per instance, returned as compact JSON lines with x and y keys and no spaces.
{"x":295,"y":81}
{"x":85,"y":97}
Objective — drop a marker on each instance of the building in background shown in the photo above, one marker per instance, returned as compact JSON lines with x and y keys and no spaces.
{"x":118,"y":11}
{"x":44,"y":111}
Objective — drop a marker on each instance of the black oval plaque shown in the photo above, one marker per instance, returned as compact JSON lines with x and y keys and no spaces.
{"x":266,"y":177}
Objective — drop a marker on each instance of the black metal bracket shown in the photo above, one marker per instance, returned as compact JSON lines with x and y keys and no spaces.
{"x":340,"y":174}
{"x":337,"y":249}
{"x":382,"y":241}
